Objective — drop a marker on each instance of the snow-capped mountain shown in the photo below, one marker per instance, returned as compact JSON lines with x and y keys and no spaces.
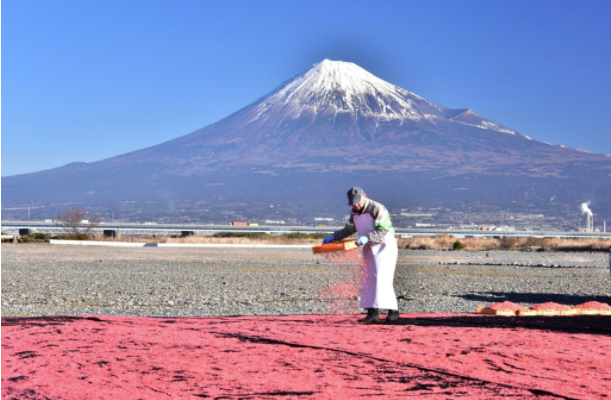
{"x":343,"y":88}
{"x":334,"y":125}
{"x":337,"y":110}
{"x":336,"y":87}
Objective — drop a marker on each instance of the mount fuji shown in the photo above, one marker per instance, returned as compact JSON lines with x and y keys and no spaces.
{"x":304,"y":144}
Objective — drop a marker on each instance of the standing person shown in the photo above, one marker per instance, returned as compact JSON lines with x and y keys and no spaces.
{"x":371,"y":221}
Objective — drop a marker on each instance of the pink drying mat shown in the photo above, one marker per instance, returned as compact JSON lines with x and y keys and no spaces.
{"x":309,"y":357}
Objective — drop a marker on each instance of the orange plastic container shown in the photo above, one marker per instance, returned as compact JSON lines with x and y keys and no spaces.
{"x":348,"y":244}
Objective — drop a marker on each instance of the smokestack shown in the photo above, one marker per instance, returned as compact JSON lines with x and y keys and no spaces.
{"x":585,"y":209}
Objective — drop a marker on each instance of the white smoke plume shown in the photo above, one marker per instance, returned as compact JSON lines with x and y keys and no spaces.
{"x":585,"y":208}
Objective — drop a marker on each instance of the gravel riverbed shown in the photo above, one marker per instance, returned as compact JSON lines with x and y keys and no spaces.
{"x":43,"y":279}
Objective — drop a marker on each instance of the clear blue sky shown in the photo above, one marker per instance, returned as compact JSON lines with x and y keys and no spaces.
{"x":87,"y":80}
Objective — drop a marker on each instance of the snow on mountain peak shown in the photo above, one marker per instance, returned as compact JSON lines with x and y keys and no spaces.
{"x":344,"y":87}
{"x":333,"y":88}
{"x":353,"y":80}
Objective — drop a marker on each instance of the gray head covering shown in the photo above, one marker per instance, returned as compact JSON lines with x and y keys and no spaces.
{"x":355,"y":195}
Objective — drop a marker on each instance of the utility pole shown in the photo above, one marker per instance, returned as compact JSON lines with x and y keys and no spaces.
{"x":28,"y":215}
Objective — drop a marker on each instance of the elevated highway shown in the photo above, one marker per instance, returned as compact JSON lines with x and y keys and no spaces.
{"x":12,"y":227}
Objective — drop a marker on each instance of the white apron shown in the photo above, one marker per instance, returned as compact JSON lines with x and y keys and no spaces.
{"x":378,"y":269}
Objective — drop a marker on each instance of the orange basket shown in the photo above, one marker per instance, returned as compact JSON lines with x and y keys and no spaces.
{"x":348,"y":244}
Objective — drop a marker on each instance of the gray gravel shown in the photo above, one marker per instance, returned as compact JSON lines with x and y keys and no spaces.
{"x":42,"y":279}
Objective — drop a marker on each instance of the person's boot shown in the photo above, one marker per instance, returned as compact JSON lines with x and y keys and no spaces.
{"x":373,"y":317}
{"x":392,"y":317}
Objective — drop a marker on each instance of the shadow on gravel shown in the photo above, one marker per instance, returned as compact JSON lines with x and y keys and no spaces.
{"x":497,"y":297}
{"x":592,"y":324}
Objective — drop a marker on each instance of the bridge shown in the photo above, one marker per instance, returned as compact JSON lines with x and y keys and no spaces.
{"x":12,"y":227}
